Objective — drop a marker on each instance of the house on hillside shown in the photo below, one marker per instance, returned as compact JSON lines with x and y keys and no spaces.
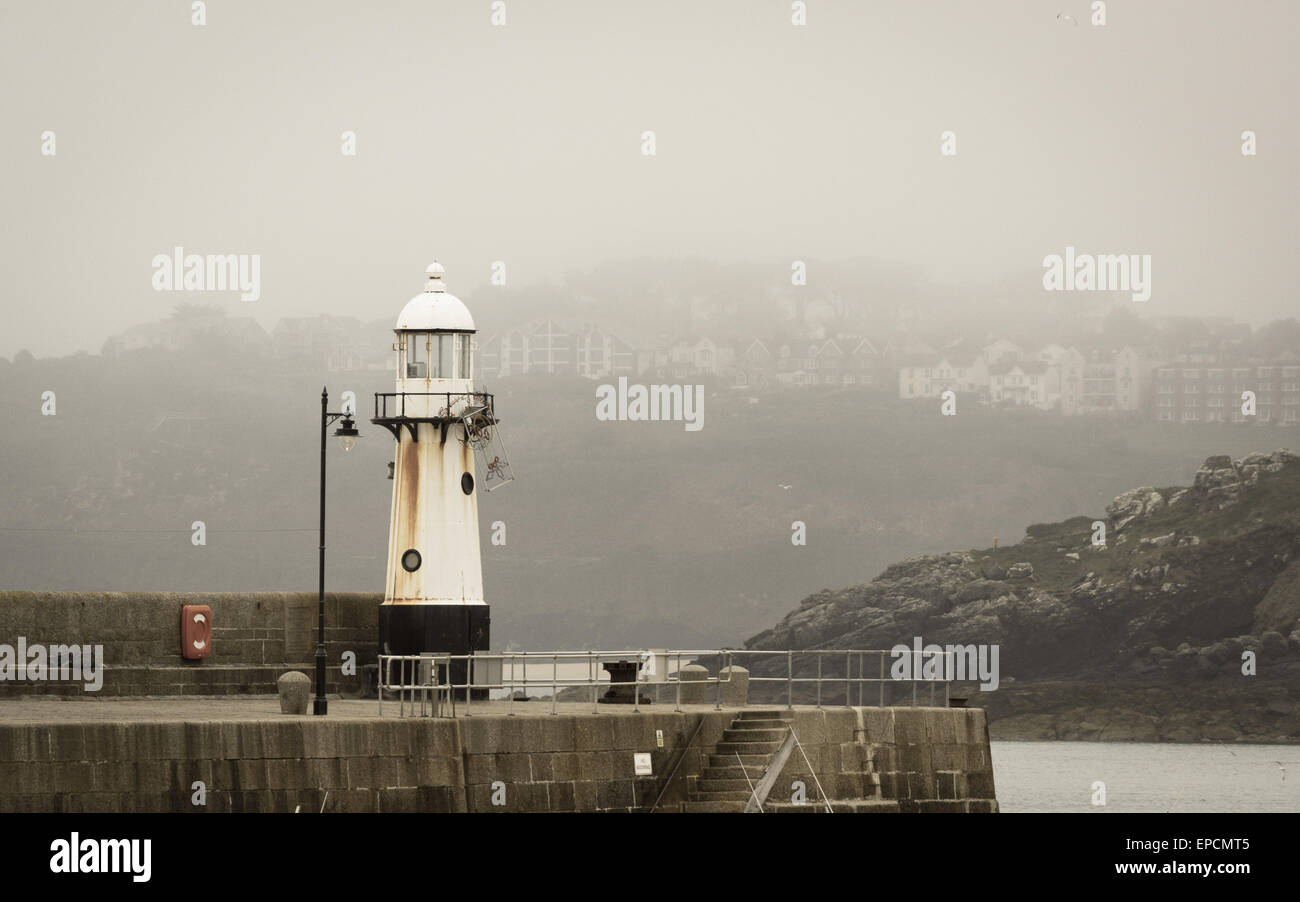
{"x":690,"y":358}
{"x":1187,"y":392}
{"x":553,"y":347}
{"x":1025,"y":383}
{"x":959,"y":369}
{"x":795,"y":361}
{"x":1105,"y":381}
{"x":600,"y":354}
{"x":869,"y":365}
{"x":1002,"y":350}
{"x":758,"y":365}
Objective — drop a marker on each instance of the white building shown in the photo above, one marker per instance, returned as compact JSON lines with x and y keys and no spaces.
{"x":1025,"y":383}
{"x":960,"y":370}
{"x":1104,"y":381}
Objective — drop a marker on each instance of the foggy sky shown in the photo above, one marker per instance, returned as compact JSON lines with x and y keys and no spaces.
{"x":522,"y":143}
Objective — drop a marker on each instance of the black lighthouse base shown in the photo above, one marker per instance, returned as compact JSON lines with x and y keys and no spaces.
{"x":452,"y":629}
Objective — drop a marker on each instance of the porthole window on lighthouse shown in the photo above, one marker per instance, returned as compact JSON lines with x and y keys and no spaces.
{"x":467,"y":484}
{"x":411,"y":560}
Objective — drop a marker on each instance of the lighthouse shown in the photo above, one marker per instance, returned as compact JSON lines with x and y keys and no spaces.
{"x":433,"y":595}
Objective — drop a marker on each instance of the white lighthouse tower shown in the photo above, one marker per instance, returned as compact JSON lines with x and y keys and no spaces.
{"x":433,"y":596}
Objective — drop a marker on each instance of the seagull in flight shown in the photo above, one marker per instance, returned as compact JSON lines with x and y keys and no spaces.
{"x":784,"y":485}
{"x":1063,"y":18}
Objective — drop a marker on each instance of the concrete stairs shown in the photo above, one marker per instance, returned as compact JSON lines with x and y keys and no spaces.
{"x":722,"y":785}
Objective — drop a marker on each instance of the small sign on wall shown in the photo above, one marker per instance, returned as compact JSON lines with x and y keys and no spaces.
{"x":641,"y":764}
{"x":196,"y":631}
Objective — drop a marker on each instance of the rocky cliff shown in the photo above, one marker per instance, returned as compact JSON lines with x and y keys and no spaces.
{"x":1150,"y":607}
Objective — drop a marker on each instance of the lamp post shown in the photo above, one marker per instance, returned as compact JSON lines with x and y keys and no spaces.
{"x":347,"y":435}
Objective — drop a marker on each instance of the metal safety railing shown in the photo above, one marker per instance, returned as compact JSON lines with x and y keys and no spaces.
{"x":445,"y":685}
{"x":392,"y":405}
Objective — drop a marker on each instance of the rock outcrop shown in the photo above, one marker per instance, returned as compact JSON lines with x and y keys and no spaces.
{"x":1190,"y":579}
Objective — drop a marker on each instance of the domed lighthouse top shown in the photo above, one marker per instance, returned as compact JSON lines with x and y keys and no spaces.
{"x":435,"y":342}
{"x":434,"y":309}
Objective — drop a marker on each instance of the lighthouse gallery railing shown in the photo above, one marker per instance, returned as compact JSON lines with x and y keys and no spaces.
{"x":392,"y":405}
{"x":424,"y":681}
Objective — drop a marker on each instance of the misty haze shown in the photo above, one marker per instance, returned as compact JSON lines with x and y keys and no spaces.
{"x":783,"y":327}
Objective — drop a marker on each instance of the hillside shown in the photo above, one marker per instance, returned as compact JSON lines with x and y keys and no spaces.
{"x":1155,"y":620}
{"x":620,"y":534}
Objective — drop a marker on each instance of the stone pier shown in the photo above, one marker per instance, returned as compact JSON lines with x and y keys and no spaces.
{"x":123,"y":754}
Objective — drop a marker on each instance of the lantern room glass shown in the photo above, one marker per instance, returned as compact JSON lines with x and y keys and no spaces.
{"x":464,"y":342}
{"x":437,"y":355}
{"x":445,"y":356}
{"x":417,"y":355}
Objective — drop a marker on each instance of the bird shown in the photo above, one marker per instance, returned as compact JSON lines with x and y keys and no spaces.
{"x":784,"y":485}
{"x":1063,"y":18}
{"x":1283,"y":767}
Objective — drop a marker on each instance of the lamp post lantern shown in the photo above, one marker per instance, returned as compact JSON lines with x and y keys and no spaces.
{"x":347,"y":435}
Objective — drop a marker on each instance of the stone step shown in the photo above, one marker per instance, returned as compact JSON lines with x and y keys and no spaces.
{"x":754,"y":762}
{"x":763,"y":749}
{"x":848,"y":806}
{"x":712,"y":807}
{"x":715,"y":784}
{"x":733,"y":772}
{"x":735,"y":795}
{"x":734,"y":735}
{"x":757,"y":724}
{"x":760,"y":714}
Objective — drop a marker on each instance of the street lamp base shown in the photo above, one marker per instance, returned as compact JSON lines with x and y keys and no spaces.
{"x":321,"y":706}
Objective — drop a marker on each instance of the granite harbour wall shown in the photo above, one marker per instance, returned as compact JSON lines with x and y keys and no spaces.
{"x":256,"y":637}
{"x":864,"y":759}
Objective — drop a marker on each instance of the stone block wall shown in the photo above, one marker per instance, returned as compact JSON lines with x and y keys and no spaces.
{"x":869,"y":759}
{"x":256,"y":637}
{"x":539,"y":763}
{"x":924,"y":759}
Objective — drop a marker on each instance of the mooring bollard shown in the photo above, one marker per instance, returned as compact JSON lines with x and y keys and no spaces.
{"x":694,"y":684}
{"x":295,"y":689}
{"x":735,"y":686}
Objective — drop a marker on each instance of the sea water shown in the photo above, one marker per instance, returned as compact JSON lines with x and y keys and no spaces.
{"x":1146,"y":776}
